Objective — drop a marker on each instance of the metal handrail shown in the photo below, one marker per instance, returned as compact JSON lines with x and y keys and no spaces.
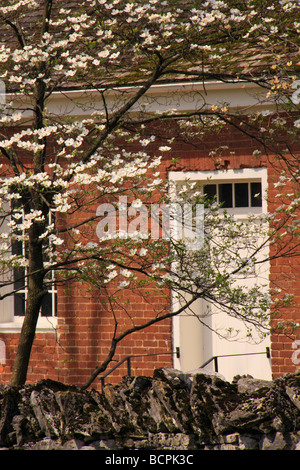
{"x":128,"y":360}
{"x":177,"y":352}
{"x":215,"y":358}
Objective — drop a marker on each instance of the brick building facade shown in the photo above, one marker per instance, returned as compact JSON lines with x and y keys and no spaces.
{"x":68,"y":346}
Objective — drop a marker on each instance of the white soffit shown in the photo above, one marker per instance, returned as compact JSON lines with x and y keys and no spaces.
{"x":240,"y":97}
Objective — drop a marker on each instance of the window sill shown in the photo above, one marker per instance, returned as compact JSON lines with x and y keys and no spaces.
{"x":44,"y":325}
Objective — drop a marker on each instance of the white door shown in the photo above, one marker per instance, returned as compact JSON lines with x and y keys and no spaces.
{"x":203,"y":331}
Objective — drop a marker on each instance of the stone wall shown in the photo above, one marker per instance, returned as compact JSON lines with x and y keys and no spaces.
{"x":170,"y":410}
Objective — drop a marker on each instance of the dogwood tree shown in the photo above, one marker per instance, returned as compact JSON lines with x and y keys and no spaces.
{"x":64,"y":169}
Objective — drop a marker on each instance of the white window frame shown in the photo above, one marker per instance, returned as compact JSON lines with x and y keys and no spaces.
{"x":228,"y":176}
{"x":10,"y":323}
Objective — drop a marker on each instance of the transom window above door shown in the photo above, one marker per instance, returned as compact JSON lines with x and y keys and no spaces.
{"x":238,"y":194}
{"x":241,"y":192}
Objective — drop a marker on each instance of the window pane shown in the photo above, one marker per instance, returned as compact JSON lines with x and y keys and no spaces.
{"x":46,"y":309}
{"x":256,"y":198}
{"x":210,"y":191}
{"x":225,"y":195}
{"x":16,"y":248}
{"x":55,"y":304}
{"x":19,"y":305}
{"x":19,"y":278}
{"x":241,"y":195}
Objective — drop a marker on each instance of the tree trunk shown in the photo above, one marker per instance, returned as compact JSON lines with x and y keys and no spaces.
{"x":19,"y":373}
{"x":35,"y":295}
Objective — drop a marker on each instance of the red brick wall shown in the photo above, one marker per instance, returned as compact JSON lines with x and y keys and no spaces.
{"x":285,"y":273}
{"x":85,"y":333}
{"x":44,"y":360}
{"x":285,"y":276}
{"x":83,"y":341}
